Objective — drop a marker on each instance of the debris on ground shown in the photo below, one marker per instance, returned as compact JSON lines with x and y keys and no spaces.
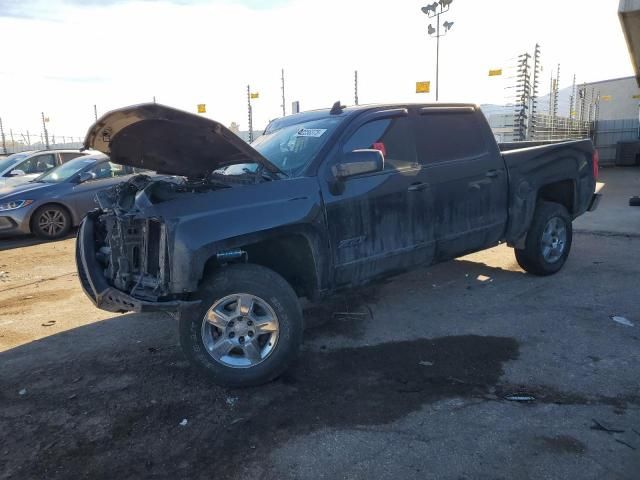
{"x":426,"y":363}
{"x":184,"y":422}
{"x":622,"y":321}
{"x":4,"y":276}
{"x":22,"y":392}
{"x":231,"y":401}
{"x":625,"y":444}
{"x":603,"y":428}
{"x":519,"y":397}
{"x":50,"y":323}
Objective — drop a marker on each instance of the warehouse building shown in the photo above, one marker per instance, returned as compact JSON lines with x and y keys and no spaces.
{"x":617,"y":122}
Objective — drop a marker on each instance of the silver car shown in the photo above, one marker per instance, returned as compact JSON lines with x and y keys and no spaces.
{"x":53,"y":203}
{"x":23,"y":167}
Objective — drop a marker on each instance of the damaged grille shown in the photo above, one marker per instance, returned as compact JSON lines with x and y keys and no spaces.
{"x":135,"y":256}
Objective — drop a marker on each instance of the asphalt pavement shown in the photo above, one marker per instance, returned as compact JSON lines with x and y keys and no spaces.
{"x":470,"y":369}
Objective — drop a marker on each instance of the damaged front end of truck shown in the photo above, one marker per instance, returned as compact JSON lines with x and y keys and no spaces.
{"x":125,"y":247}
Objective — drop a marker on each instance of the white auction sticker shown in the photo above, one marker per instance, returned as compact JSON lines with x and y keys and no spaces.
{"x":311,"y":132}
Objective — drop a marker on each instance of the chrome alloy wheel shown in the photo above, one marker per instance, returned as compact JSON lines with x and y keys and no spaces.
{"x":240,"y":330}
{"x":51,"y":222}
{"x":554,"y":240}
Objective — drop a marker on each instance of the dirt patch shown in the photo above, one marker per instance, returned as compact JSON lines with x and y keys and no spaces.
{"x":118,"y":416}
{"x":20,"y":304}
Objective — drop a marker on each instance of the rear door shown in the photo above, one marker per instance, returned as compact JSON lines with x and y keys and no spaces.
{"x":469,"y":178}
{"x":379,"y":222}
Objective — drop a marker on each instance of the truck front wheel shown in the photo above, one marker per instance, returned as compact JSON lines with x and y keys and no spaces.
{"x":248,"y":329}
{"x":548,"y":240}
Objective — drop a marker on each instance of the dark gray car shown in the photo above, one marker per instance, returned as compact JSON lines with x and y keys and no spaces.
{"x":53,"y":203}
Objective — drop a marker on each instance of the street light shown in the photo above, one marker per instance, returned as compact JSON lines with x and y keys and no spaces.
{"x":434,"y":11}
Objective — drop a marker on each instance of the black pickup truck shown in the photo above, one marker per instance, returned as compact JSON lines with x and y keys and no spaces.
{"x":235,"y":234}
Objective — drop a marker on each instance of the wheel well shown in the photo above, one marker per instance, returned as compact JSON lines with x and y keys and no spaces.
{"x":64,"y":207}
{"x":561,"y":192}
{"x":290,"y":256}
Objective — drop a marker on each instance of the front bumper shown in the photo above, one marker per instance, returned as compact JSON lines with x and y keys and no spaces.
{"x":105,"y":296}
{"x":595,"y":201}
{"x":15,"y":222}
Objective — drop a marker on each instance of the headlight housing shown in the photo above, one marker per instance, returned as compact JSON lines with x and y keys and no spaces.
{"x":14,"y":204}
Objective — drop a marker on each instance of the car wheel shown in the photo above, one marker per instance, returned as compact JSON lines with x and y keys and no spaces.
{"x":50,"y":222}
{"x":248,"y":328}
{"x":548,"y":240}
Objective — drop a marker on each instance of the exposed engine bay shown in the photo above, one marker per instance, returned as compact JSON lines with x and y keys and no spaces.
{"x":131,"y":244}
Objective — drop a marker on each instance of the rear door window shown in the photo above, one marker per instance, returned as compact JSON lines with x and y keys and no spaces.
{"x":448,"y":136}
{"x":66,"y":156}
{"x":392,"y":136}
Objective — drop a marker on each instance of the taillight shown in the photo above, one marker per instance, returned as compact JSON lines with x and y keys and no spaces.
{"x":596,"y":163}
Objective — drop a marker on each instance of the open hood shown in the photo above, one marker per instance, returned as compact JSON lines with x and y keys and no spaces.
{"x":169,"y":141}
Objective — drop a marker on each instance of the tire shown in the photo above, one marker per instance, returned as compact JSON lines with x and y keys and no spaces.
{"x":548,"y":241}
{"x":51,"y":222}
{"x":240,"y":346}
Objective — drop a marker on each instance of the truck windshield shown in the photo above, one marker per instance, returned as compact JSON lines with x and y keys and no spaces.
{"x":292,"y":147}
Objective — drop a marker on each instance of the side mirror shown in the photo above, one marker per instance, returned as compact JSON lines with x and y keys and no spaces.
{"x":17,"y":173}
{"x":359,"y":162}
{"x":86,"y":176}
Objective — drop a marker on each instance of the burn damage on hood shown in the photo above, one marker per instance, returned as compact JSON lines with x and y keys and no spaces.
{"x":170,"y":141}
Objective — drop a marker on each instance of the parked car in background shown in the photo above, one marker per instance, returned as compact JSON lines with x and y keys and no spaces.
{"x":23,"y":167}
{"x":54,"y":202}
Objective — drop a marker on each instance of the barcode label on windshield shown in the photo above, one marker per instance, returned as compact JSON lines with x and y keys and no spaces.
{"x":311,"y":132}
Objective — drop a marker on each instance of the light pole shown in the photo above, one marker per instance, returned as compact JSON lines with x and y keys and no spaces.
{"x":434,"y":11}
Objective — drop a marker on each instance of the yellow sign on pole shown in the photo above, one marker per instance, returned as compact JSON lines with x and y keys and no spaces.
{"x":255,"y":95}
{"x":423,"y":87}
{"x":606,"y":98}
{"x":636,"y":97}
{"x":202,"y":108}
{"x":495,"y":73}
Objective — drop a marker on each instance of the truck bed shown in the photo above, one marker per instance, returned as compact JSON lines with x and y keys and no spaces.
{"x":564,"y":168}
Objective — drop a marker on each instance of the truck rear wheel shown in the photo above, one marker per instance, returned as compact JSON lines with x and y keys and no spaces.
{"x":548,"y":240}
{"x":248,"y":329}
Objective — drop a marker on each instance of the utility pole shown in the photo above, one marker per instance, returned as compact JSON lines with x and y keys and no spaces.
{"x":13,"y":143}
{"x":434,"y":11}
{"x":46,"y":133}
{"x":535,"y":83}
{"x":95,"y":112}
{"x":284,"y":111}
{"x":356,"y":87}
{"x":250,"y":110}
{"x":4,"y":143}
{"x":154,"y":99}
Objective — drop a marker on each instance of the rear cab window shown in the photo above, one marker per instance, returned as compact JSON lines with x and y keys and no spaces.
{"x":445,"y":136}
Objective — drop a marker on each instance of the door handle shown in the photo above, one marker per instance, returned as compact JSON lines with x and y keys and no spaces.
{"x":492,"y":173}
{"x":418,"y":186}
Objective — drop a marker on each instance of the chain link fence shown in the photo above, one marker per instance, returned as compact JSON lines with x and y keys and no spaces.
{"x":14,"y":141}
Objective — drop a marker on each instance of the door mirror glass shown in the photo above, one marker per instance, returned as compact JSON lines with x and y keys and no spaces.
{"x":86,"y":176}
{"x":17,"y":173}
{"x":359,"y":162}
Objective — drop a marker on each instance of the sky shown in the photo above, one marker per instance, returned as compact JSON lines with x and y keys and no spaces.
{"x":62,"y":57}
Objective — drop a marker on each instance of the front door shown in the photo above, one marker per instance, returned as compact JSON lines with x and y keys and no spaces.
{"x":379,"y":223}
